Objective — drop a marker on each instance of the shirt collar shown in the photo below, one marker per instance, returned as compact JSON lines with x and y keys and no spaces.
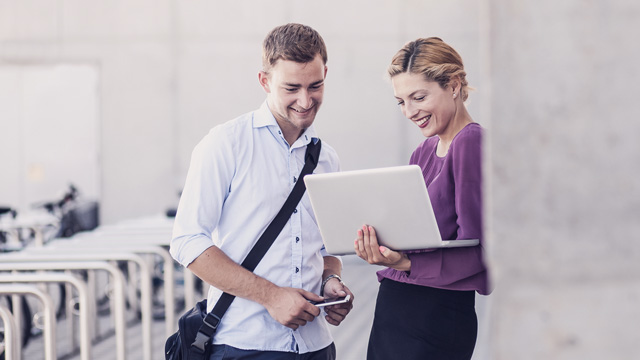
{"x":264,"y":118}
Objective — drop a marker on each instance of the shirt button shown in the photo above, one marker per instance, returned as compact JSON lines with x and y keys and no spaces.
{"x":297,"y":270}
{"x":297,"y":239}
{"x":295,"y":211}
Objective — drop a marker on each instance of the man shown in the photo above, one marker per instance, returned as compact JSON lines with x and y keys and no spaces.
{"x":239,"y":177}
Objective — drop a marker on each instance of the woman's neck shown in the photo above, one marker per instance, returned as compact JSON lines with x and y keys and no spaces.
{"x":459,"y":121}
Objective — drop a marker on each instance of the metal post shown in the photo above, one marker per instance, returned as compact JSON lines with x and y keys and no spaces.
{"x":16,"y":305}
{"x":11,"y":345}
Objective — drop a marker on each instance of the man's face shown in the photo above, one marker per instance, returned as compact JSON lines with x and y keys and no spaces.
{"x":294,"y":94}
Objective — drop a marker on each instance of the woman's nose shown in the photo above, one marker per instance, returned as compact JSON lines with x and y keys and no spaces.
{"x":410,"y":111}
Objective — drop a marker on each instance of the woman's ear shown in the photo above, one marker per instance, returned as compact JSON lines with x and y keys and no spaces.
{"x":454,"y":85}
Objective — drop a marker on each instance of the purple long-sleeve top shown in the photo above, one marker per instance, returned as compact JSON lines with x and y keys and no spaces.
{"x":454,"y":183}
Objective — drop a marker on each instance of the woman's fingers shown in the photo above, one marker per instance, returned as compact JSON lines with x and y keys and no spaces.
{"x":359,"y":245}
{"x":367,"y":243}
{"x":367,"y":247}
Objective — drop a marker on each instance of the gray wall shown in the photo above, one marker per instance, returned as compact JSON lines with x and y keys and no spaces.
{"x":564,"y":196}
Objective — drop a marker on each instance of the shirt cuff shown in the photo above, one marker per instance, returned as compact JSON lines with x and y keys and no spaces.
{"x":190,"y":249}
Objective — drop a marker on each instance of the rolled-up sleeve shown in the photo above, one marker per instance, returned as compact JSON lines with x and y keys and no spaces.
{"x":206,"y":188}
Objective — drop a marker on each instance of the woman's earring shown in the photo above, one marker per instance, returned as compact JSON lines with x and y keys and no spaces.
{"x":454,"y":95}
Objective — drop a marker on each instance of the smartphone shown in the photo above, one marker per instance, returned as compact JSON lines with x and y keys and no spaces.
{"x":333,"y":301}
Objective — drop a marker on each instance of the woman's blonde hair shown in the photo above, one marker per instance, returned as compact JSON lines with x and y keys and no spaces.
{"x":434,"y":59}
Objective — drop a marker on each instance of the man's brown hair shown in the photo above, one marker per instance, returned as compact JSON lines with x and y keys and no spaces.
{"x":294,"y":42}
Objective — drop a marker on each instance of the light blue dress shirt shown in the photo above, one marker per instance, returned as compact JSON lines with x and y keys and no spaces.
{"x":239,"y":177}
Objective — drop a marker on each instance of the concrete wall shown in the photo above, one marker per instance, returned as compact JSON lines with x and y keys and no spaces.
{"x":564,"y":196}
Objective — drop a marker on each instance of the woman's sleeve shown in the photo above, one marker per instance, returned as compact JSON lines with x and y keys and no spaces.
{"x":448,"y":266}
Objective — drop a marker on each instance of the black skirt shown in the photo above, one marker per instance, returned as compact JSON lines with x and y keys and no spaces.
{"x":420,"y":322}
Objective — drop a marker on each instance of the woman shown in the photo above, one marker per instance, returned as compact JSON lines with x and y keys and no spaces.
{"x":426,"y":302}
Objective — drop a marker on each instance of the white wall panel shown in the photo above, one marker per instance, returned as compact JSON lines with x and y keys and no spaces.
{"x":217,"y":81}
{"x":137,"y":132}
{"x":50,"y":123}
{"x":29,"y":20}
{"x":116,"y":20}
{"x":229,"y":20}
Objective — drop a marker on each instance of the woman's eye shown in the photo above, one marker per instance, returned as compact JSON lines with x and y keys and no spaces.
{"x":419,"y":98}
{"x":400,"y":103}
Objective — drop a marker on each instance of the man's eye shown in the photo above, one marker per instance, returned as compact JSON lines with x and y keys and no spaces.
{"x":291,"y":89}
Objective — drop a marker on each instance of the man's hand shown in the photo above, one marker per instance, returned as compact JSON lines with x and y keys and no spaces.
{"x":336,"y":313}
{"x":291,"y":308}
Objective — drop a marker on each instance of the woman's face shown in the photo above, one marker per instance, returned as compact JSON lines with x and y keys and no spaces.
{"x":425,"y":103}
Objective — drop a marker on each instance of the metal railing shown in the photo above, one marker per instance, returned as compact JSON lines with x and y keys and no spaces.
{"x":128,"y":241}
{"x":145,"y":280}
{"x":49,"y":333}
{"x":83,"y":294}
{"x":146,"y":236}
{"x":118,"y":289}
{"x":11,"y":343}
{"x":83,"y":247}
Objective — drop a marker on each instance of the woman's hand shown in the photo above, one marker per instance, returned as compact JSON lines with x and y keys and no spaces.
{"x":367,"y":247}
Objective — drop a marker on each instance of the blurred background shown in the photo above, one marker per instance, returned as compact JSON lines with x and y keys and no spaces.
{"x":112,"y":96}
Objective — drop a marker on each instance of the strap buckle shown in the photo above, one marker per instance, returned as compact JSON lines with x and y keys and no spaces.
{"x":204,"y":335}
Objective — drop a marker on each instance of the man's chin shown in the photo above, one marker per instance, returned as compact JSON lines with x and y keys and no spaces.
{"x":303,"y":120}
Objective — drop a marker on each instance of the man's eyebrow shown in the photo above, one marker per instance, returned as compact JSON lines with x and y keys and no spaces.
{"x":316,"y":83}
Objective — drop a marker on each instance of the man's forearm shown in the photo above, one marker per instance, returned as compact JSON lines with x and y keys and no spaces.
{"x":215,"y":268}
{"x":332,"y":265}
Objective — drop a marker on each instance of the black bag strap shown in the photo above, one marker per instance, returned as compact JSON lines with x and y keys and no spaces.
{"x":212,"y":319}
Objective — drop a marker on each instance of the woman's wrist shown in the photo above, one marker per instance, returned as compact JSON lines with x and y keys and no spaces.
{"x":404,"y":264}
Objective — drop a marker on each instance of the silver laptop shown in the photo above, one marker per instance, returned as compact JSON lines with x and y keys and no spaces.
{"x":394,"y":200}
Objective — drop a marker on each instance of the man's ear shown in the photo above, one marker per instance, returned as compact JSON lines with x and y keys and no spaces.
{"x":263,"y":79}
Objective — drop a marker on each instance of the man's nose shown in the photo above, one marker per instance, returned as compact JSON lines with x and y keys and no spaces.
{"x":304,"y":99}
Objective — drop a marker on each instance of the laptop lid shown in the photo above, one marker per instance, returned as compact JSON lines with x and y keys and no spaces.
{"x":394,"y":200}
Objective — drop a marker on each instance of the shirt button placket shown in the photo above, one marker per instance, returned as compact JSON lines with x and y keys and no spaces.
{"x":296,"y":229}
